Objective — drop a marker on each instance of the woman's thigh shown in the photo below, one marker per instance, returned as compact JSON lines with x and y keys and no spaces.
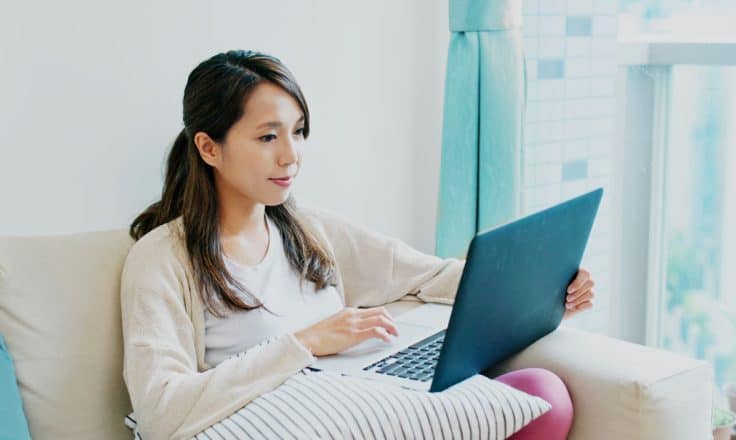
{"x":554,"y":424}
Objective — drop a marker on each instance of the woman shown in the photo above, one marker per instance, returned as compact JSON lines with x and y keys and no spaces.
{"x":232,"y":289}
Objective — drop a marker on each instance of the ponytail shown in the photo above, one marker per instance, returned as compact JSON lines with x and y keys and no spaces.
{"x":172,"y":195}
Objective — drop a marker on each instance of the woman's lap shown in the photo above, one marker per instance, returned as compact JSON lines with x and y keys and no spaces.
{"x":554,"y":424}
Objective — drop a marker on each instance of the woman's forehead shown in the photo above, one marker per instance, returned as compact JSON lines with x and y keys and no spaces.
{"x":270,"y":103}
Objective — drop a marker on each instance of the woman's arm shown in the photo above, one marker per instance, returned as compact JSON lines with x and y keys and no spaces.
{"x":428,"y":277}
{"x":377,"y":269}
{"x":170,"y":397}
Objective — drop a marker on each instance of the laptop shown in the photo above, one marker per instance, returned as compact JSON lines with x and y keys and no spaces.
{"x":512,"y":292}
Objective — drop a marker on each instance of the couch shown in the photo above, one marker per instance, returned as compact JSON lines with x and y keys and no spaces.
{"x":60,"y":315}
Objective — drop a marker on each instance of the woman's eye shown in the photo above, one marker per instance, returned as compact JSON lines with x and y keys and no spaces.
{"x":300,"y":131}
{"x":267,"y":138}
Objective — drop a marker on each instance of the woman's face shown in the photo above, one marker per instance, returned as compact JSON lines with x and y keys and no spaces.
{"x":265,"y":143}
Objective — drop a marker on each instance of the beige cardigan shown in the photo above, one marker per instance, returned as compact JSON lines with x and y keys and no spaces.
{"x":174,"y":393}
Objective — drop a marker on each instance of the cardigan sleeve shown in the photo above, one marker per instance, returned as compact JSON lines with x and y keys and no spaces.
{"x":377,"y":269}
{"x":170,"y":397}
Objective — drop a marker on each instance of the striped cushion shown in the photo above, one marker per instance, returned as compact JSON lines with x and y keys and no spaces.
{"x":326,"y":405}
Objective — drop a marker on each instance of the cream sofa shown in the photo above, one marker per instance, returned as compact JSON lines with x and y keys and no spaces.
{"x":60,"y":315}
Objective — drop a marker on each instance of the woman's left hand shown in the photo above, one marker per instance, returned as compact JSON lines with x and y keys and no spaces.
{"x":579,"y":294}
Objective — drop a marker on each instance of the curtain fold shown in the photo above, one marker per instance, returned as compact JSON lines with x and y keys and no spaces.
{"x":485,"y":99}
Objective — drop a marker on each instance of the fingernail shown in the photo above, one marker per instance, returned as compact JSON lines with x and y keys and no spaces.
{"x":568,"y":306}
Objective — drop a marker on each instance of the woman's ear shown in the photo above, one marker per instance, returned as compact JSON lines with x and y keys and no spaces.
{"x":209,"y":150}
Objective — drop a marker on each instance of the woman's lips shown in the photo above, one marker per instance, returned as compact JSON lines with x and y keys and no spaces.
{"x":282,"y":182}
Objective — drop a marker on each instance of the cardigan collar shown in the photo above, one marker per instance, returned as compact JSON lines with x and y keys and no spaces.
{"x":193,"y":301}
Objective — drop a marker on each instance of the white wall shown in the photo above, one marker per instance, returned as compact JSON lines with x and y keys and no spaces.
{"x":90,"y":99}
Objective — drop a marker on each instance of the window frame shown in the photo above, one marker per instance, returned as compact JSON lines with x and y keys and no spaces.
{"x":644,"y":88}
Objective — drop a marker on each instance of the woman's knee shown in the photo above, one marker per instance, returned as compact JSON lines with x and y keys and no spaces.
{"x":547,"y":385}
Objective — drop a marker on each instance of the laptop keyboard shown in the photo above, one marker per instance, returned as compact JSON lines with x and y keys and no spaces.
{"x":416,"y":362}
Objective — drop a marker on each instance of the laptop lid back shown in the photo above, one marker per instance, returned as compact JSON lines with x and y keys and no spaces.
{"x":513,"y":288}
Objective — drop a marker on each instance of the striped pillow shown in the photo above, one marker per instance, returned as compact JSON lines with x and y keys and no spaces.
{"x":327,"y":405}
{"x":130,"y":422}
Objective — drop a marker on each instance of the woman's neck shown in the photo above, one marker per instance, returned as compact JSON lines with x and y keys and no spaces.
{"x":244,"y":235}
{"x":240,"y":218}
{"x":243,"y":223}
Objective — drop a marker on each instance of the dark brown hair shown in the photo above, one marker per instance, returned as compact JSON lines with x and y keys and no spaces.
{"x":214,"y":99}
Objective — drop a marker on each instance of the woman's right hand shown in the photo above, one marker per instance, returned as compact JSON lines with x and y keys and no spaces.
{"x":346,"y":328}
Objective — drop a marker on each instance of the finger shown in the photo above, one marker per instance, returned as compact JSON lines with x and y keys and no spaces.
{"x":377,"y":312}
{"x":573,"y":298}
{"x":587,"y":285}
{"x":582,"y":276}
{"x":350,"y":311}
{"x":584,"y":306}
{"x":373,"y":332}
{"x":569,"y":313}
{"x":587,"y":296}
{"x":373,"y":311}
{"x":579,"y":283}
{"x":380,"y":320}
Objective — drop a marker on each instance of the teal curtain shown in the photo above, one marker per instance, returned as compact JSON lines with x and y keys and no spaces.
{"x":485,"y":99}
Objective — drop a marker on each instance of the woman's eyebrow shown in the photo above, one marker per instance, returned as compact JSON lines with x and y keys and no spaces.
{"x":276,"y":124}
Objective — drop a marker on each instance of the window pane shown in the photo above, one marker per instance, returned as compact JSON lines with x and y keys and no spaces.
{"x":570,"y":125}
{"x":682,"y":18}
{"x":698,"y":310}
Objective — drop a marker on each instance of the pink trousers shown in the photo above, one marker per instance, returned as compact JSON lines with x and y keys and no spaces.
{"x":555,"y":423}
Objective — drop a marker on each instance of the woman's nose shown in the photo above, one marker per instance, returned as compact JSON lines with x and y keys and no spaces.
{"x":290,"y":152}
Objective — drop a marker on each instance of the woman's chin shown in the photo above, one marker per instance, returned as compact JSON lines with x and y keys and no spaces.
{"x":278,"y":200}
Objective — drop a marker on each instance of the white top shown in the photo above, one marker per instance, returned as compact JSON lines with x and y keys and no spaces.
{"x":276,"y":284}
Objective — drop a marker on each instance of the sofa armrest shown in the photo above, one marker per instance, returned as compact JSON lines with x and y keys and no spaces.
{"x":622,"y":390}
{"x":619,"y":390}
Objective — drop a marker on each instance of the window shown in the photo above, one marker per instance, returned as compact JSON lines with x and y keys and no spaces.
{"x":692,"y":197}
{"x":639,"y":97}
{"x":697,"y":301}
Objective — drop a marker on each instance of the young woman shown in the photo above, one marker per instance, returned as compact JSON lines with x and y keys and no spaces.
{"x":232,"y":289}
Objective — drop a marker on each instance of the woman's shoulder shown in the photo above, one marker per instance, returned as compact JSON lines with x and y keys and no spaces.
{"x":163,"y":239}
{"x":162,"y":248}
{"x":327,"y":220}
{"x":316,"y":214}
{"x":338,"y":229}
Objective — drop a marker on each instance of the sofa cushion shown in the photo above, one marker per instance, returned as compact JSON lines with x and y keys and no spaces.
{"x":12,"y":419}
{"x":60,"y":315}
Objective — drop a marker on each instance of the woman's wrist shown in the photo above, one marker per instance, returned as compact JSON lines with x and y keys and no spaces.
{"x":305,"y":340}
